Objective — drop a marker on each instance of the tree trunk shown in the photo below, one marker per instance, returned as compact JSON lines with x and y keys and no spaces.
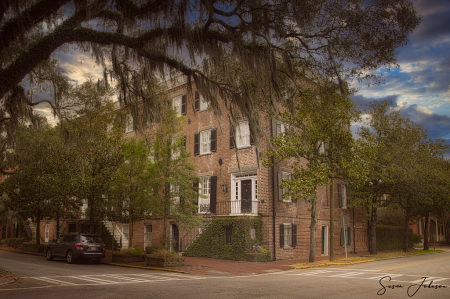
{"x":38,"y":227}
{"x":130,"y":233}
{"x":373,"y":228}
{"x":332,"y":220}
{"x":91,"y":216}
{"x":312,"y":245}
{"x":406,"y":229}
{"x":426,"y":244}
{"x":57,"y":226}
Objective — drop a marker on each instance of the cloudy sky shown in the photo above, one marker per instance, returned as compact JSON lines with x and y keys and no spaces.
{"x":420,"y":87}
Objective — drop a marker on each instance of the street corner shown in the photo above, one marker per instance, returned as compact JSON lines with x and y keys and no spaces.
{"x":144,"y":267}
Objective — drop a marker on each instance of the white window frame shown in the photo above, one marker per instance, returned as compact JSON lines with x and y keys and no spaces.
{"x":287,"y":235}
{"x":321,"y":146}
{"x":129,"y":124}
{"x":205,"y":191}
{"x":175,"y":153}
{"x":147,"y":235}
{"x":84,"y":208}
{"x":205,"y":142}
{"x":243,"y":134}
{"x":286,"y":176}
{"x":204,"y":105}
{"x":177,"y":103}
{"x":236,"y":191}
{"x":281,"y":128}
{"x":175,"y":194}
{"x":47,"y":232}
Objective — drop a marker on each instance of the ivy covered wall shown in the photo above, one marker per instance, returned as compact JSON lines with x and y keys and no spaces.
{"x":212,"y":242}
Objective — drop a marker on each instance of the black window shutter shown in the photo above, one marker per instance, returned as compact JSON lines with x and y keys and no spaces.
{"x":294,"y":235}
{"x":213,"y":194}
{"x":251,"y":137}
{"x":184,"y":141}
{"x":195,"y":184}
{"x":342,"y":237}
{"x":196,"y":144}
{"x":183,"y":104}
{"x":281,"y":235}
{"x":280,"y":191}
{"x":340,"y":196}
{"x":197,"y":101}
{"x":213,"y":140}
{"x":232,"y":136}
{"x":349,"y":236}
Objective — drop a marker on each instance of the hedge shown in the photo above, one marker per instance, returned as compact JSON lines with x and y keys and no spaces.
{"x":391,"y":237}
{"x":212,"y":242}
{"x":14,"y":241}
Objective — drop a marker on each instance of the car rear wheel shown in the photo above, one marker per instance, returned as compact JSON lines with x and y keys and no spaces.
{"x":69,"y":257}
{"x":49,"y":255}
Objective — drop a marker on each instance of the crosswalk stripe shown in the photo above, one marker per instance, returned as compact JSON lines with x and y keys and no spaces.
{"x":93,"y":279}
{"x":348,"y":274}
{"x":128,"y":278}
{"x":55,"y":281}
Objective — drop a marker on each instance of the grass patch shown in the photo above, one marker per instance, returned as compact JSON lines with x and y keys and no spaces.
{"x":364,"y":258}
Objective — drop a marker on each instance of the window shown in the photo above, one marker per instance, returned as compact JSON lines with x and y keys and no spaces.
{"x":179,"y":104}
{"x":243,"y":134}
{"x":283,"y":191}
{"x":281,"y":128}
{"x":200,"y":103}
{"x":321,"y":147}
{"x":129,"y":127}
{"x":288,"y":235}
{"x":205,"y":191}
{"x":84,"y":208}
{"x":342,"y":195}
{"x":205,"y":142}
{"x":175,"y":151}
{"x":348,"y":236}
{"x":228,"y":234}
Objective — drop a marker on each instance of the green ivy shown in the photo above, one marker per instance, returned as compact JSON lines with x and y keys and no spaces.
{"x":212,"y":242}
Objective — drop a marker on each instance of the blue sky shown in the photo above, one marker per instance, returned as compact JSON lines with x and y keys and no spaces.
{"x":420,"y":87}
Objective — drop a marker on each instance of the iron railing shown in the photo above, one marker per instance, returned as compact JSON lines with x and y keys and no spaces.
{"x":235,"y":207}
{"x":190,"y":237}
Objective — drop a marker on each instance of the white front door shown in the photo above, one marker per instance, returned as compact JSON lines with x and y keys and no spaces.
{"x":147,"y":235}
{"x":47,"y":232}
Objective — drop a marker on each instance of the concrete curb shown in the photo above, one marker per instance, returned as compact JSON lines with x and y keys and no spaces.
{"x":146,"y":268}
{"x":333,"y":264}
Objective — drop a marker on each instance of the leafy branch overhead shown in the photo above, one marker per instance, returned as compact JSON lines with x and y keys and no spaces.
{"x":137,"y":40}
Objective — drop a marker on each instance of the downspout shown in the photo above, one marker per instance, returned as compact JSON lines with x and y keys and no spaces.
{"x":273,"y":200}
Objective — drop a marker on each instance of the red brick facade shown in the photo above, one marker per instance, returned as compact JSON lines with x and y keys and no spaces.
{"x":261,"y":182}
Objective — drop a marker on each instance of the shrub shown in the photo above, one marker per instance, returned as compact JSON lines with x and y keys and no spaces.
{"x":35,"y":248}
{"x":152,"y":249}
{"x":391,"y":237}
{"x":14,"y":241}
{"x":136,"y":251}
{"x":416,"y":239}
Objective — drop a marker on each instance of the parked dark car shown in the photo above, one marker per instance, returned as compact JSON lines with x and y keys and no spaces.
{"x":76,"y":246}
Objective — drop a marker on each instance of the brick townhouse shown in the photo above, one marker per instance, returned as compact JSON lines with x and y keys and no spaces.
{"x":247,"y":189}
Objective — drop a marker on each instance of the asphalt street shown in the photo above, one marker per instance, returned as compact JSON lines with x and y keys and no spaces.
{"x":421,"y":276}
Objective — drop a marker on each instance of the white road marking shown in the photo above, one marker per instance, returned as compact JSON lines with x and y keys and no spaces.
{"x":429,"y":279}
{"x":55,"y":281}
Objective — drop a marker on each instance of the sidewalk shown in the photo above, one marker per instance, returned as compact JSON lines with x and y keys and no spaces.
{"x":215,"y":267}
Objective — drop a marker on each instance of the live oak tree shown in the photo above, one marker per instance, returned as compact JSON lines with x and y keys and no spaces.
{"x":317,"y":143}
{"x":135,"y":40}
{"x":95,"y":133}
{"x":130,"y":192}
{"x":174,"y":196}
{"x":398,"y":170}
{"x":40,"y":178}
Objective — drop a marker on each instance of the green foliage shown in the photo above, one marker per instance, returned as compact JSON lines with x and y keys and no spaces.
{"x":264,"y":256}
{"x":416,"y":238}
{"x":391,"y":237}
{"x":153,"y":249}
{"x":136,"y":251}
{"x":14,"y":242}
{"x":391,"y":215}
{"x":212,"y":242}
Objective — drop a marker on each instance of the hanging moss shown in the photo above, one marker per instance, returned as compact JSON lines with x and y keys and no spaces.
{"x":212,"y":242}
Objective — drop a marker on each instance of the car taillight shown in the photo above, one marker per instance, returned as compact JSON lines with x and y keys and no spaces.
{"x":79,"y":246}
{"x":104,"y":247}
